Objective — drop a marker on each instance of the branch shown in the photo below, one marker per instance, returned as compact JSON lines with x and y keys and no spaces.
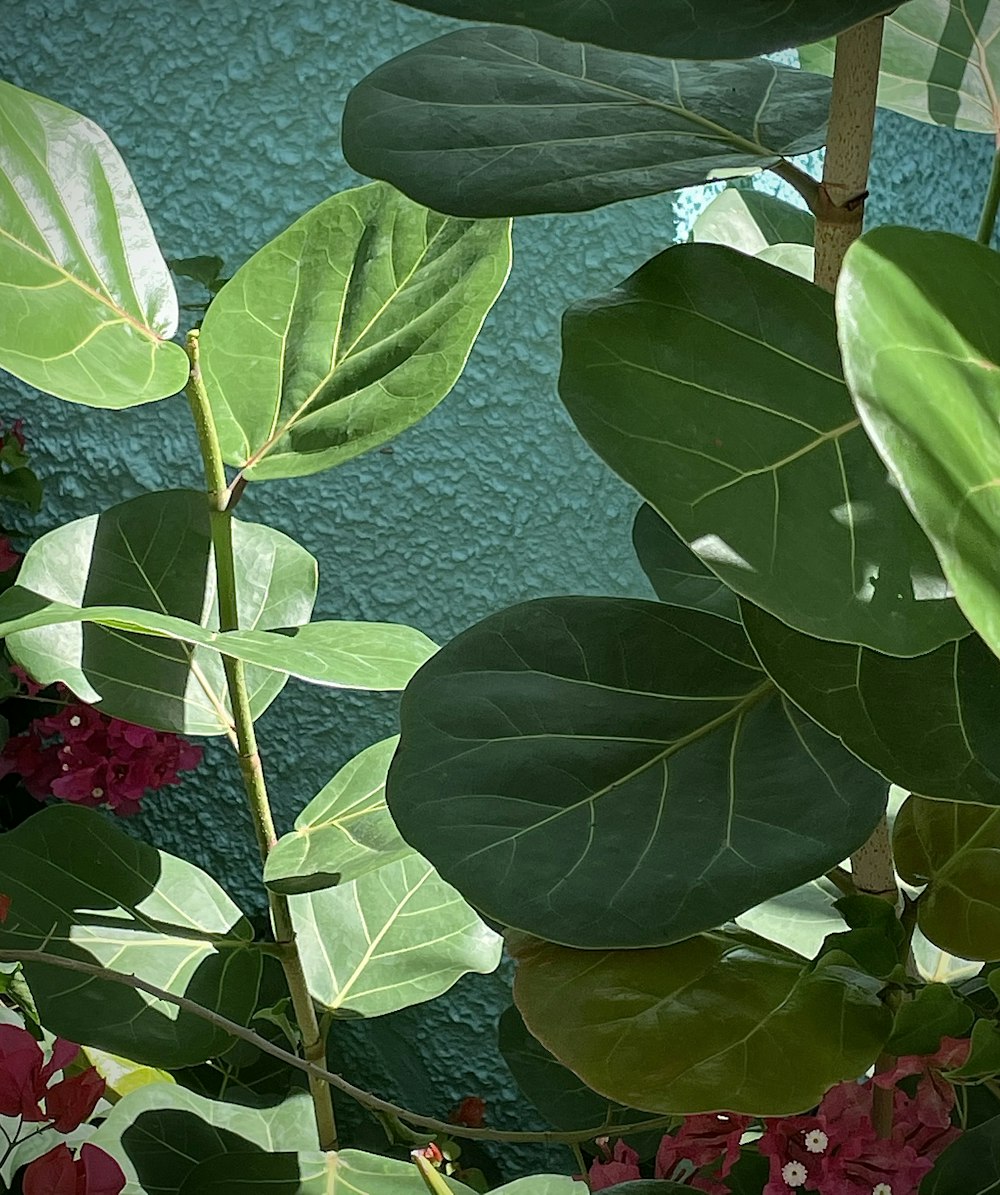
{"x":314,"y":1071}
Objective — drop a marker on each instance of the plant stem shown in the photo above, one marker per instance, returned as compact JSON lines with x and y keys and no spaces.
{"x":314,"y":1070}
{"x":221,"y":520}
{"x":989,"y":218}
{"x":842,"y":193}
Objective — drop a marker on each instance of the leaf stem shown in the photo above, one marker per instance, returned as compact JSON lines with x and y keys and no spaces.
{"x":315,"y":1070}
{"x":221,"y":521}
{"x":989,"y":218}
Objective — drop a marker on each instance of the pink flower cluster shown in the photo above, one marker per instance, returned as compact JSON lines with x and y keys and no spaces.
{"x":835,"y":1151}
{"x":83,"y":756}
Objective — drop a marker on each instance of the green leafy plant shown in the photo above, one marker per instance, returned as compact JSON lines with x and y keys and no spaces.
{"x":740,"y":966}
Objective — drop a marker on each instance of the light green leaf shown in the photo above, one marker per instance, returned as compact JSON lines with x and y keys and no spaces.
{"x":751,"y":222}
{"x":160,"y":1133}
{"x":153,"y":553}
{"x":607,"y":1015}
{"x":394,"y":937}
{"x":489,"y":122}
{"x":82,"y":889}
{"x":676,"y":574}
{"x":954,"y":849}
{"x":799,"y":920}
{"x":349,"y":1172}
{"x":711,"y":382}
{"x":672,"y":28}
{"x":927,"y":723}
{"x":346,"y":329}
{"x":940,"y":63}
{"x":796,"y":259}
{"x":922,"y":358}
{"x":618,"y":773}
{"x":343,"y":833}
{"x":87,"y":308}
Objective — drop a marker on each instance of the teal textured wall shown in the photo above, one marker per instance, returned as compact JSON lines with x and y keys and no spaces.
{"x":227,"y":113}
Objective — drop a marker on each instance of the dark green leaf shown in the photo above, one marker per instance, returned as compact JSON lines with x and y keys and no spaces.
{"x":711,"y":382}
{"x":915,"y":317}
{"x":346,"y":329}
{"x":618,"y":773}
{"x":953,"y":849}
{"x":87,"y":308}
{"x":343,"y":833}
{"x":672,"y":28}
{"x":205,"y":270}
{"x":970,"y":1165}
{"x":677,"y":575}
{"x":934,"y":1012}
{"x":488,"y":122}
{"x":82,"y":889}
{"x":607,"y":1016}
{"x":161,"y":1132}
{"x":983,"y":1061}
{"x":21,"y":485}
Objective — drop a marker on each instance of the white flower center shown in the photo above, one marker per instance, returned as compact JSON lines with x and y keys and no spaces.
{"x":817,"y":1141}
{"x":99,"y":792}
{"x":75,"y":720}
{"x":882,"y":1189}
{"x":794,"y":1174}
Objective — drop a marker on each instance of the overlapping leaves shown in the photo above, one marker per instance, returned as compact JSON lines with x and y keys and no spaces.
{"x":488,"y":122}
{"x":618,"y":773}
{"x":87,"y":307}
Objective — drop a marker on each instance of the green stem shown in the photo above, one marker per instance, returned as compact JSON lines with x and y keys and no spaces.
{"x":221,"y":520}
{"x":989,"y":218}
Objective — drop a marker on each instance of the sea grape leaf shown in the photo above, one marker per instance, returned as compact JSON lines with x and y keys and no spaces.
{"x":711,"y":382}
{"x":502,"y":121}
{"x":675,"y":573}
{"x":606,"y":1015}
{"x":87,"y":307}
{"x":348,"y":327}
{"x":560,"y":737}
{"x":752,"y":221}
{"x":81,"y":889}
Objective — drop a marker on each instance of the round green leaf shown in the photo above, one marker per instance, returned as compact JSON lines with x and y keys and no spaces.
{"x":940,"y":63}
{"x":927,"y":724}
{"x":87,"y":307}
{"x":154,"y":553}
{"x":82,"y":889}
{"x":391,"y":938}
{"x":935,"y":1011}
{"x":711,"y":382}
{"x":751,"y":221}
{"x":643,"y":1026}
{"x":619,"y":773}
{"x":161,"y":1132}
{"x":677,"y":575}
{"x":954,"y":849}
{"x":672,"y":28}
{"x":489,"y":122}
{"x":343,"y":833}
{"x":347,"y":328}
{"x":916,"y":328}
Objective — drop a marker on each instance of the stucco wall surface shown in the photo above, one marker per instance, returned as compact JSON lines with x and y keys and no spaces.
{"x":227,"y":114}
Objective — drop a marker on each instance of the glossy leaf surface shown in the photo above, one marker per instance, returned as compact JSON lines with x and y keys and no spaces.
{"x":940,"y":63}
{"x":343,"y":833}
{"x":671,"y":28}
{"x":489,"y":122}
{"x":87,"y":307}
{"x":954,"y":849}
{"x":675,"y":573}
{"x":922,"y":358}
{"x":82,"y":889}
{"x":394,"y":937}
{"x":159,"y":1134}
{"x":606,"y":1016}
{"x":711,"y":382}
{"x":346,"y":329}
{"x":618,"y":773}
{"x":927,"y":723}
{"x":971,"y":1164}
{"x":154,"y":553}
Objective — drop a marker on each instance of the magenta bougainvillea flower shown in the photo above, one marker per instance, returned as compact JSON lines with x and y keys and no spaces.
{"x":80,"y":755}
{"x":703,"y":1140}
{"x":58,"y":1173}
{"x":617,"y":1167}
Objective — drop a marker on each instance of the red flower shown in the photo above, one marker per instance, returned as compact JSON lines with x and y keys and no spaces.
{"x":702,"y":1140}
{"x":72,"y":1101}
{"x":620,"y":1168}
{"x":21,"y":1086}
{"x":9,"y":558}
{"x":471,"y":1112}
{"x":57,"y":1173}
{"x":4,"y":907}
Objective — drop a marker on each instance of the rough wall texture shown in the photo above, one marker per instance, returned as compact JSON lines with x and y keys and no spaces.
{"x":228,"y":116}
